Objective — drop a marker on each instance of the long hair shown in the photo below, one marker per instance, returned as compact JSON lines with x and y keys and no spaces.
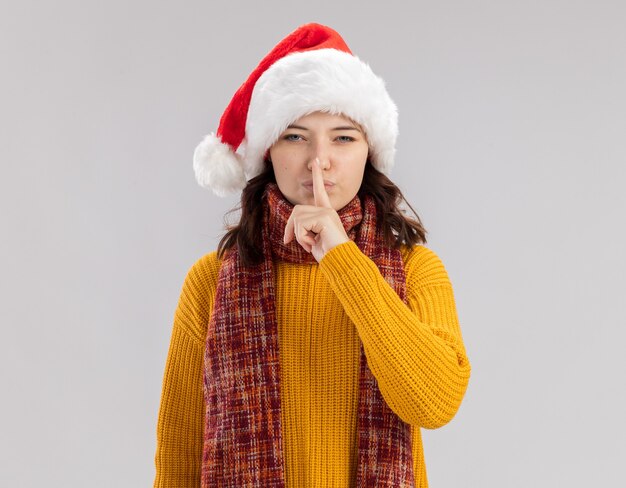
{"x":398,"y":228}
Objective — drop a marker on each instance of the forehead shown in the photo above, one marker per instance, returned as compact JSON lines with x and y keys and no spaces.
{"x":325,"y":118}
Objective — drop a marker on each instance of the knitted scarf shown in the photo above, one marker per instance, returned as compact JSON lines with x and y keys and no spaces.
{"x":243,"y":444}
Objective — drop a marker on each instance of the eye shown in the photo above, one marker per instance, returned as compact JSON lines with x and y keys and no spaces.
{"x":345,"y":139}
{"x":292,"y":137}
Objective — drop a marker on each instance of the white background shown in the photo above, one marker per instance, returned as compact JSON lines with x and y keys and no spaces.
{"x":511,"y":149}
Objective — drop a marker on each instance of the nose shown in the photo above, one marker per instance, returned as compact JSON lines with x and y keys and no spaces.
{"x":321,"y":152}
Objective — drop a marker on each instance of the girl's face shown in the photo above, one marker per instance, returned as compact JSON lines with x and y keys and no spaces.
{"x":337,"y":141}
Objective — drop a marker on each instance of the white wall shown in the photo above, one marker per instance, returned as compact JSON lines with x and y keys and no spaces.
{"x":511,"y":149}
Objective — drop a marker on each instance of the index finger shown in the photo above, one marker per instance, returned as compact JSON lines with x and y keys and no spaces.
{"x":319,"y":190}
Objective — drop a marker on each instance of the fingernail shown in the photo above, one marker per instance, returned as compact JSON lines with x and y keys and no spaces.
{"x":317,"y":161}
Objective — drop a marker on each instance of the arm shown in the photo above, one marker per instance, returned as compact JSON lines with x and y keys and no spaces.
{"x":178,"y":457}
{"x":416,"y":352}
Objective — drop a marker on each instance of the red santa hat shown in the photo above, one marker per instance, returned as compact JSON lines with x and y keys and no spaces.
{"x":311,"y":70}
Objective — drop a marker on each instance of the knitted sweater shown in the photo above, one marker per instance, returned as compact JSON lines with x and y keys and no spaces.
{"x":324,"y":310}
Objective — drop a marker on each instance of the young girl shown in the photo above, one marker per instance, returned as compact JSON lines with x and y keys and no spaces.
{"x":322,"y":335}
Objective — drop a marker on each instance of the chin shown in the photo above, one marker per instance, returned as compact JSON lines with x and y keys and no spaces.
{"x":339,"y":206}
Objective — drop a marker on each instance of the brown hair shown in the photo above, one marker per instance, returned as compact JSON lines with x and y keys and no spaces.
{"x":398,"y":228}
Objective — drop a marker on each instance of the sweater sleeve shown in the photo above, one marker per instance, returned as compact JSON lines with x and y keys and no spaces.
{"x":414,"y":350}
{"x":178,"y":457}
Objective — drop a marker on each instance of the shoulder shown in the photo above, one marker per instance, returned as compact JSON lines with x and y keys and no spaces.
{"x":423,"y":267}
{"x":202,"y":274}
{"x":197,"y":296}
{"x":206,"y":266}
{"x":201,"y":282}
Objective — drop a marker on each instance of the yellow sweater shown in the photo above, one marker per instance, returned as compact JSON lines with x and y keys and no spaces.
{"x":324,"y":310}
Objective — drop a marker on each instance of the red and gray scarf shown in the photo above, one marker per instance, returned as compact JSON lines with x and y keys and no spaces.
{"x":243,"y":445}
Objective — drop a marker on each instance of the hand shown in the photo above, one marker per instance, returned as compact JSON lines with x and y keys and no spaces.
{"x":317,"y":228}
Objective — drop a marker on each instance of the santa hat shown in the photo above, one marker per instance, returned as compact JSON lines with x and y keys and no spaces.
{"x":311,"y":70}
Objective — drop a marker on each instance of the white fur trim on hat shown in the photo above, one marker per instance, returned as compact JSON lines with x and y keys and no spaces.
{"x":218,"y":167}
{"x":326,"y":80}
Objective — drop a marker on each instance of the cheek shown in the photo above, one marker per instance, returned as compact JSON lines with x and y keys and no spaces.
{"x":285,"y":177}
{"x":283,"y":172}
{"x":359,"y":170}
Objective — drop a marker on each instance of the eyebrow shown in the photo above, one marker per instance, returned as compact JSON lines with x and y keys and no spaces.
{"x":344,"y":127}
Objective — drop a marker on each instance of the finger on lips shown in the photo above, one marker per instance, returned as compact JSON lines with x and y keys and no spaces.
{"x":321,"y":200}
{"x":319,"y":190}
{"x":305,"y":237}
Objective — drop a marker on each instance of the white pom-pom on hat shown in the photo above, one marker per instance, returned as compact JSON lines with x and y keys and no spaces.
{"x":218,"y":167}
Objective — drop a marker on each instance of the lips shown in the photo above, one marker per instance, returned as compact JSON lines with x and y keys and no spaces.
{"x":309,"y":184}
